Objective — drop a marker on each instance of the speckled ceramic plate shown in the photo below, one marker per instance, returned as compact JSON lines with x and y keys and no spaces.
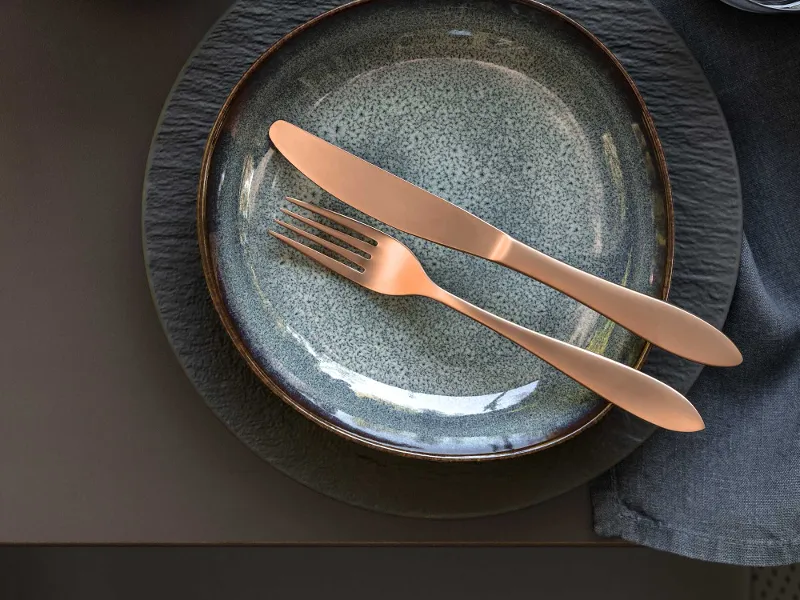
{"x":507,"y":109}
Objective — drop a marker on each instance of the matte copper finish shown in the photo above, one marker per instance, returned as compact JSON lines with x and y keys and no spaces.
{"x":391,"y":268}
{"x":403,"y":205}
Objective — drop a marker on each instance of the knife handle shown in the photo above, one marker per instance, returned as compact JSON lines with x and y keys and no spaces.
{"x":628,"y":388}
{"x":662,"y":324}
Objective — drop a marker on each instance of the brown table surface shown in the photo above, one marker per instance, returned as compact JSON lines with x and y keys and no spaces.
{"x":102,"y":437}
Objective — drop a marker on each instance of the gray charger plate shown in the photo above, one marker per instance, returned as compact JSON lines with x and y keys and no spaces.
{"x":708,"y":235}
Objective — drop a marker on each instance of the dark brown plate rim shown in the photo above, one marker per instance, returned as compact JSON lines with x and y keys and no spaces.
{"x":217,"y":297}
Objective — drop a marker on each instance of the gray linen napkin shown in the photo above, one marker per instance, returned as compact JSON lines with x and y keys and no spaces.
{"x":732,"y":493}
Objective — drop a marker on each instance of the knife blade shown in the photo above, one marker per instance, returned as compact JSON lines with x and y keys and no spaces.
{"x":402,"y":204}
{"x":409,"y":208}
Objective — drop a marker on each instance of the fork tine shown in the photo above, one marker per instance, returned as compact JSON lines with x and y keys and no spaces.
{"x":361,"y":228}
{"x":351,"y":256}
{"x":326,"y":261}
{"x":339,"y":235}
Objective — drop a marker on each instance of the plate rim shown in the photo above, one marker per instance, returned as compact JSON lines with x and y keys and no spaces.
{"x":213,"y":284}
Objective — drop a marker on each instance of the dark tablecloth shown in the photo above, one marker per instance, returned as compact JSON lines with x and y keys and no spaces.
{"x":732,"y":493}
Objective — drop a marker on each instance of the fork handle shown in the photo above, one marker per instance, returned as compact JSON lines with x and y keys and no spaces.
{"x":665,"y":325}
{"x":628,"y":388}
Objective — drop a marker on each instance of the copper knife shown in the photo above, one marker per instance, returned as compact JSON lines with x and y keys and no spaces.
{"x":407,"y":207}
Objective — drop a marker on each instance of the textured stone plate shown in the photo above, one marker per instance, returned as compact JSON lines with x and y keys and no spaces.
{"x":707,"y":204}
{"x":505,"y":108}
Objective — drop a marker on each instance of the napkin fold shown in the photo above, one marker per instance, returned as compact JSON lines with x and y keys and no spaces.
{"x":732,"y":492}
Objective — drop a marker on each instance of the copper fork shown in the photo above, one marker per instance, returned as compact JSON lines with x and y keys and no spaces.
{"x":389,"y":267}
